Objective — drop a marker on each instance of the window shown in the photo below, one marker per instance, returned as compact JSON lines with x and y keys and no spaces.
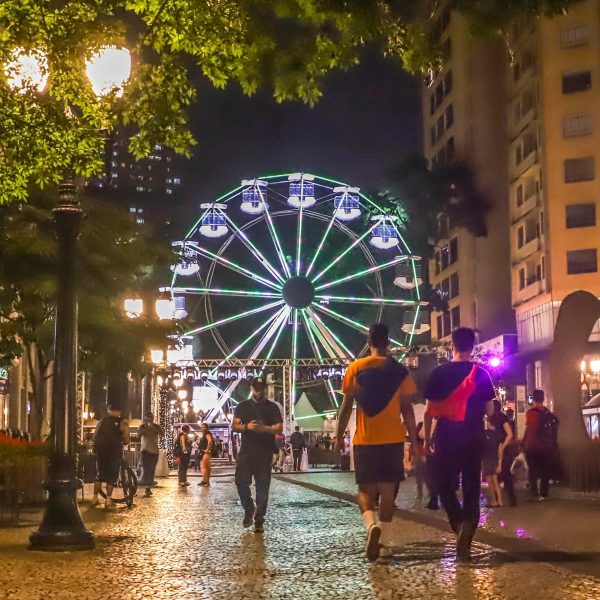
{"x":432,"y":106}
{"x":520,"y":195}
{"x":450,"y":150}
{"x":520,"y":237}
{"x":447,"y":83}
{"x":440,"y":331}
{"x":581,"y":215}
{"x":454,"y":287}
{"x":447,"y":323}
{"x":582,"y":261}
{"x":440,"y":127}
{"x":445,"y":289}
{"x":433,"y":136}
{"x":576,"y":125}
{"x":447,"y":49}
{"x":579,"y":169}
{"x":449,"y":116}
{"x":438,"y":264}
{"x":453,"y":250}
{"x":577,"y":35}
{"x":176,"y":180}
{"x":455,"y":317}
{"x":521,"y":278}
{"x":576,"y":81}
{"x":445,"y":257}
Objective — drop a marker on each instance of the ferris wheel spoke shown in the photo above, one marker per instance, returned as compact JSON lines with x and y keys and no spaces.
{"x":211,"y":291}
{"x":273,"y":233}
{"x":350,"y":322}
{"x":253,"y":249}
{"x":233,"y":318}
{"x":222,"y":397}
{"x":277,"y":336}
{"x":349,"y":249}
{"x":362,"y":273}
{"x":315,"y":347}
{"x":321,"y":244}
{"x":234,"y":266}
{"x":360,"y":300}
{"x":299,"y":239}
{"x":332,"y":339}
{"x":270,"y":320}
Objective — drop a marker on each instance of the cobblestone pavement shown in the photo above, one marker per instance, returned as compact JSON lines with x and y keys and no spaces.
{"x":190,"y":544}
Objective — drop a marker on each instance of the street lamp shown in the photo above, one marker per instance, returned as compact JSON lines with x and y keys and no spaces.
{"x":62,"y":527}
{"x":134,"y":307}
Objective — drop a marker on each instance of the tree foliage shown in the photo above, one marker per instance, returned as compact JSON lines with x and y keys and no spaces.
{"x":287,"y":45}
{"x":116,"y":257}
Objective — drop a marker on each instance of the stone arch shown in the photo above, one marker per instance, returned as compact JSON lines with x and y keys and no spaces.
{"x":577,"y":316}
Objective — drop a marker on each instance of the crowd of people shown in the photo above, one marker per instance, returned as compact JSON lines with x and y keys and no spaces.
{"x":465,"y":437}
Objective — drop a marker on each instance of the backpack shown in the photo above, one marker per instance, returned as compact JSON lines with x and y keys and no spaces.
{"x":108,"y":436}
{"x":548,"y":428}
{"x":178,"y":448}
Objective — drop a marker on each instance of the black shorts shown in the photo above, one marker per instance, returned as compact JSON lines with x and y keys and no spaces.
{"x":381,"y":463}
{"x":107,"y":467}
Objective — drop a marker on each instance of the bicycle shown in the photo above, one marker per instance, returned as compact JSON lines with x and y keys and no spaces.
{"x":126,"y":487}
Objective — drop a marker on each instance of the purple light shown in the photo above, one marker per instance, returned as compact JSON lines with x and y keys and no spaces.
{"x":495,"y":362}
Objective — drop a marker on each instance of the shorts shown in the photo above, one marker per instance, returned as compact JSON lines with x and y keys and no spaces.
{"x":107,"y":468}
{"x":380,"y":463}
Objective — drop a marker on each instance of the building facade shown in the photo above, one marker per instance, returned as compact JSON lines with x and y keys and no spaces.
{"x":553,"y":88}
{"x":464,"y":114}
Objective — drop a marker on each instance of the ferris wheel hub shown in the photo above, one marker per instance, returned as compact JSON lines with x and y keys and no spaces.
{"x":298,"y":292}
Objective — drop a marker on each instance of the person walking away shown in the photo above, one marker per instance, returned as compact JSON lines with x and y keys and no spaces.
{"x":279,"y":453}
{"x":458,"y":395}
{"x":298,"y":444}
{"x":540,"y":443}
{"x":183,"y":450}
{"x":383,"y":391}
{"x":259,"y":421}
{"x":149,"y":433}
{"x":417,"y":457}
{"x":205,"y":451}
{"x":110,"y":435}
{"x":195,"y":455}
{"x":509,"y":451}
{"x":492,"y":460}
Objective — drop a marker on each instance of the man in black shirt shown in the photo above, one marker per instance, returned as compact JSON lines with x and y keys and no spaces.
{"x":259,"y":421}
{"x":298,"y":444}
{"x":459,"y":394}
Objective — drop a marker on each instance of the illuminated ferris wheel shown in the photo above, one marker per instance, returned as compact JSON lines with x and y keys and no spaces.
{"x":295,"y":266}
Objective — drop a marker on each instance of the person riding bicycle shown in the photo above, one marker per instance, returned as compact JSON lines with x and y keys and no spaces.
{"x":110,"y":435}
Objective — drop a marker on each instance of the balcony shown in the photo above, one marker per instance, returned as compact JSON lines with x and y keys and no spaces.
{"x":525,"y":120}
{"x":528,"y":248}
{"x":533,"y":201}
{"x":533,"y":287}
{"x":525,"y":164}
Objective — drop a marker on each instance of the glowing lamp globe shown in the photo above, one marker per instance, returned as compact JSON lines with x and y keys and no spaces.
{"x":165,"y":308}
{"x":595,"y":366}
{"x":25,"y":70}
{"x":157,"y":356}
{"x":495,"y":362}
{"x":108,"y":70}
{"x":133,"y":307}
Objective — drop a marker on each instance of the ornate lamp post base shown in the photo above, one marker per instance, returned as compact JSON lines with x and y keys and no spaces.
{"x":62,"y":527}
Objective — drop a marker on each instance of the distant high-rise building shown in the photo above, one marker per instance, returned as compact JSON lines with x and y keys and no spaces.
{"x":464,"y":120}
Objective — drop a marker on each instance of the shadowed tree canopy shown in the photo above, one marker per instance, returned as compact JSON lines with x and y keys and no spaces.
{"x":288,"y":46}
{"x":117,"y":257}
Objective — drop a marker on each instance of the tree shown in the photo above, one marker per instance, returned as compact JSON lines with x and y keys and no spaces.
{"x":288,"y":45}
{"x":117,"y":257}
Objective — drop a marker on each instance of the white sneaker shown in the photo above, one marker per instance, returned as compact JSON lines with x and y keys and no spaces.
{"x":372,"y":545}
{"x":385,"y":552}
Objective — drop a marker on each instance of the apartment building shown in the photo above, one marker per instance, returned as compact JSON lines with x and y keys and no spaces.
{"x":553,"y":100}
{"x":464,"y":119}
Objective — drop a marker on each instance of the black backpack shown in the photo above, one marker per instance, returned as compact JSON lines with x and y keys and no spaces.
{"x":178,"y":448}
{"x":548,"y":428}
{"x":108,"y":436}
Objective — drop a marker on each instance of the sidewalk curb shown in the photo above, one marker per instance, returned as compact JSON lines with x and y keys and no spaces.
{"x":526,"y":550}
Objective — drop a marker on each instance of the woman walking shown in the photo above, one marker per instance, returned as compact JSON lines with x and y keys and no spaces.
{"x":492,"y":460}
{"x":184,"y":446}
{"x":205,"y":448}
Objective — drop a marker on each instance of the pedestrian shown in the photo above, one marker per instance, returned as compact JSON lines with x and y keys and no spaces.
{"x":205,"y":451}
{"x":327,"y":442}
{"x":458,"y":395}
{"x":383,"y":390}
{"x":298,"y":444}
{"x":183,"y":451}
{"x":149,"y":433}
{"x":112,"y":431}
{"x":541,"y":446}
{"x":509,"y":449}
{"x":195,"y":455}
{"x":259,"y":421}
{"x":492,"y":460}
{"x":419,"y":464}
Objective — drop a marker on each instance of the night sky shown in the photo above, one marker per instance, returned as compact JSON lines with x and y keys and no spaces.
{"x":367,"y":118}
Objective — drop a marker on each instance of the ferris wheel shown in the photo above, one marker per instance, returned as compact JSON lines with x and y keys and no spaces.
{"x":295,"y":266}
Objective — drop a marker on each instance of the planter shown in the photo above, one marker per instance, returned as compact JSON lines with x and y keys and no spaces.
{"x":21,"y":480}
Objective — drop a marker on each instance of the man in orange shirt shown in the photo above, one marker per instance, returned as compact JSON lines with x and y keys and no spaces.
{"x":383,"y":390}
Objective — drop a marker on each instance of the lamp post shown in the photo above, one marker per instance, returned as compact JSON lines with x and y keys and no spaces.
{"x":62,"y":527}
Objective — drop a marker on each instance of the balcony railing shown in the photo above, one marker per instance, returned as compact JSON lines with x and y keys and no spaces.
{"x":529,"y":204}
